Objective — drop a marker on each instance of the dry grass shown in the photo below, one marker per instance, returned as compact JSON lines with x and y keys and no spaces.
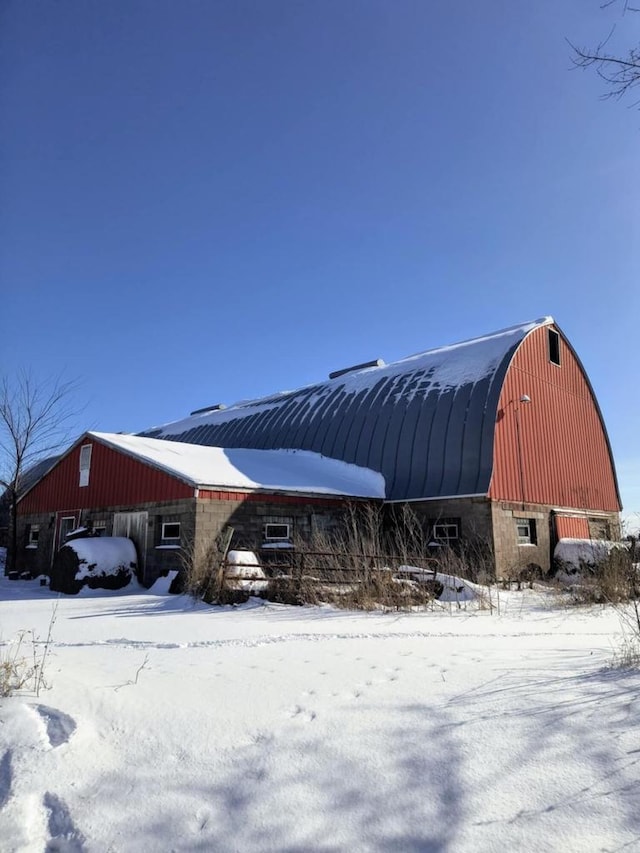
{"x":359,"y":564}
{"x":23,"y":661}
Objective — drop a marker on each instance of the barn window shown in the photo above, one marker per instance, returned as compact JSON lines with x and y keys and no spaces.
{"x":85,"y":464}
{"x":276,"y":532}
{"x":171,"y":531}
{"x":33,"y":536}
{"x":526,"y":531}
{"x":554,"y":347}
{"x":445,"y":532}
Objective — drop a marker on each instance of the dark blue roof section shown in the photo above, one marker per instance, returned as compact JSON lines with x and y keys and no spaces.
{"x":426,"y":422}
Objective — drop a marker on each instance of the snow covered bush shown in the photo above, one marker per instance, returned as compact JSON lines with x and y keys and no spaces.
{"x":105,"y":562}
{"x":596,"y":570}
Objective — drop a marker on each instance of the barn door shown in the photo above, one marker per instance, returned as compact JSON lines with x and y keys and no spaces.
{"x":133,"y":525}
{"x":66,"y":523}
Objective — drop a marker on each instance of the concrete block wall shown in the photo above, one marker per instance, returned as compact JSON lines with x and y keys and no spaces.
{"x":474,"y":515}
{"x":249,"y":517}
{"x":511,"y":558}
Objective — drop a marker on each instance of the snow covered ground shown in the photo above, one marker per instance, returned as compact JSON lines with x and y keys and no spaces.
{"x":169,"y":726}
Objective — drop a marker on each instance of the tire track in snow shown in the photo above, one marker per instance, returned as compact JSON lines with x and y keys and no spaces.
{"x":124,"y":642}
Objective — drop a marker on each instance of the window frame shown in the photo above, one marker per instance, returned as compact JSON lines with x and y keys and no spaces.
{"x":553,"y":344}
{"x":170,"y":539}
{"x":32,"y":544}
{"x":271,"y":538}
{"x":531,"y":537}
{"x":439,"y":537}
{"x":85,"y":464}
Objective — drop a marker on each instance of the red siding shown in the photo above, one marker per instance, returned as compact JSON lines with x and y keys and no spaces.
{"x":573,"y":527}
{"x":564,"y":452}
{"x":261,"y":497}
{"x":115,"y":479}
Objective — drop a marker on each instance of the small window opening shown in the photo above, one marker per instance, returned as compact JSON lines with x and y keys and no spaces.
{"x":34,"y":535}
{"x":445,"y":532}
{"x":274,"y":532}
{"x":85,"y":464}
{"x":554,"y":347}
{"x":171,"y":530}
{"x":526,"y":531}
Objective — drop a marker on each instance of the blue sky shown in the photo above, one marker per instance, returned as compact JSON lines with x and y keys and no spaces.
{"x":209,"y":201}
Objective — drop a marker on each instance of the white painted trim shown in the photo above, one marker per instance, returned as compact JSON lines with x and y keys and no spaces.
{"x":167,"y":524}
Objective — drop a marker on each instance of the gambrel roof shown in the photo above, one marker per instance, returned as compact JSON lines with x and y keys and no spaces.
{"x":426,"y":423}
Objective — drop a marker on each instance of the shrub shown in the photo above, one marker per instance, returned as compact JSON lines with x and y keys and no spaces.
{"x":605,"y":574}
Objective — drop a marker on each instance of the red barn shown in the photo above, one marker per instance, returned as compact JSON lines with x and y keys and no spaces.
{"x":170,"y":497}
{"x":499,"y":438}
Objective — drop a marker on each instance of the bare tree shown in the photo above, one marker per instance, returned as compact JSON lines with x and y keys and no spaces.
{"x":620,"y":72}
{"x":34,"y":424}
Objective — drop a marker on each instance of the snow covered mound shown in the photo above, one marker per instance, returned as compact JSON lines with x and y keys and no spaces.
{"x":575,"y":554}
{"x":453,"y":588}
{"x":244,"y":572}
{"x":105,"y":562}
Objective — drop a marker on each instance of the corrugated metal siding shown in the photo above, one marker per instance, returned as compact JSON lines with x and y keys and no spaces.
{"x":115,"y":479}
{"x":564,"y":449}
{"x":572,"y":527}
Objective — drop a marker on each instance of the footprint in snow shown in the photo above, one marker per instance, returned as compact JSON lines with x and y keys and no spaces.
{"x":300,"y":713}
{"x":203,"y":818}
{"x":65,"y":836}
{"x":60,"y":726}
{"x":6,"y":777}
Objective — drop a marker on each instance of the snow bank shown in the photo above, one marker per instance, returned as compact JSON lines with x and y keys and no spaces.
{"x":163,"y":584}
{"x":311,"y":729}
{"x":578,"y":553}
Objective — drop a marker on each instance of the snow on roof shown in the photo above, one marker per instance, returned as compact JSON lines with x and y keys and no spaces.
{"x":445,"y":367}
{"x":426,"y":423}
{"x":281,"y":470}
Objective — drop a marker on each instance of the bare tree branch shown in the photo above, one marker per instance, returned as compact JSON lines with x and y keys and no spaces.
{"x":35,"y":419}
{"x":620,"y":72}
